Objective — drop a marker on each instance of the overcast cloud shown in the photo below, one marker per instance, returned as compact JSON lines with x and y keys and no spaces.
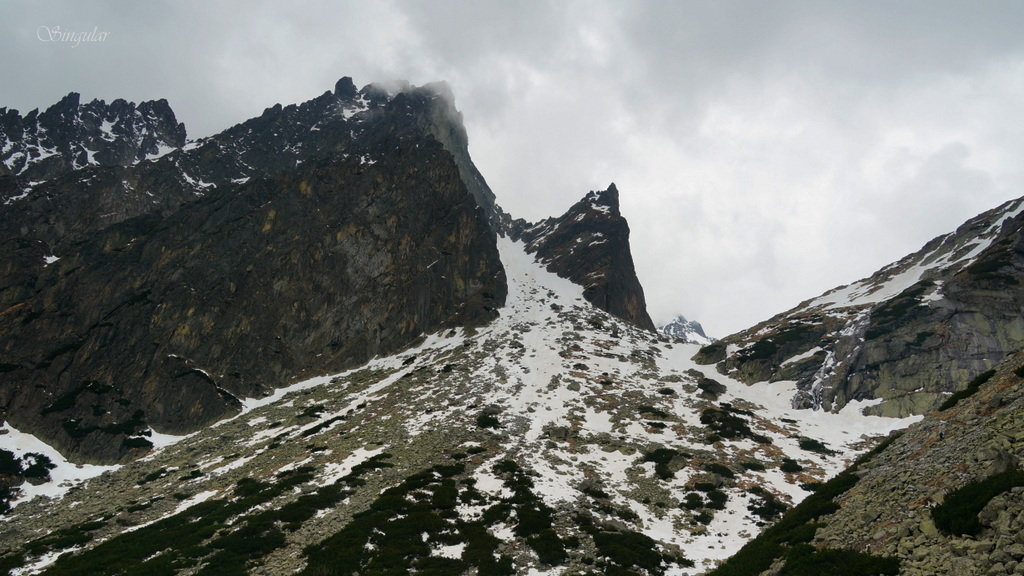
{"x":765,"y":152}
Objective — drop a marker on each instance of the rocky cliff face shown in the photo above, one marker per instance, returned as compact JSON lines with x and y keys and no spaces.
{"x":589,"y":245}
{"x":910,"y":335}
{"x":340,"y":246}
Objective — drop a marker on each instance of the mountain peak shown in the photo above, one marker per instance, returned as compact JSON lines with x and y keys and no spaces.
{"x":686,"y":330}
{"x":345,"y":89}
{"x":605,"y":201}
{"x":589,"y":245}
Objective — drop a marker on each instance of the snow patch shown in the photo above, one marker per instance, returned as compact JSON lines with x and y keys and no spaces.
{"x":65,"y":476}
{"x":335,"y":471}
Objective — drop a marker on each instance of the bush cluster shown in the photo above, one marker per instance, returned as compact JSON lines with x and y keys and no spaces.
{"x":958,"y":513}
{"x":788,"y":538}
{"x":661,"y":458}
{"x":727,"y":422}
{"x":972,"y":387}
{"x":203,"y":540}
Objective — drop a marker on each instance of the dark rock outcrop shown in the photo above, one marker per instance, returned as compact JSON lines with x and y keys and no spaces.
{"x":589,"y":245}
{"x":332,"y":252}
{"x":911,"y":334}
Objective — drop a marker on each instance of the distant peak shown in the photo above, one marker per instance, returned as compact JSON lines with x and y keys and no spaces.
{"x":686,"y":330}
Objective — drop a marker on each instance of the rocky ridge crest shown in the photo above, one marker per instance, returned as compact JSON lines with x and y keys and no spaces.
{"x":912,"y":334}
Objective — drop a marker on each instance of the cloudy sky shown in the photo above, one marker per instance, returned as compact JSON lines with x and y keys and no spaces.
{"x":764,"y":151}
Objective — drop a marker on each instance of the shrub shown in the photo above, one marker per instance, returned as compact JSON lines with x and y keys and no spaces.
{"x":972,"y":387}
{"x":549,"y":547}
{"x":717,"y":499}
{"x":652,"y":411}
{"x":628,"y":549}
{"x":485,"y":420}
{"x":796,"y":526}
{"x":812,"y":445}
{"x":661,"y":458}
{"x":725,"y":424}
{"x":806,"y":561}
{"x":9,"y":464}
{"x":693,"y":501}
{"x":790,"y":466}
{"x":766,"y":506}
{"x":958,"y":513}
{"x":720,"y":469}
{"x":153,"y":476}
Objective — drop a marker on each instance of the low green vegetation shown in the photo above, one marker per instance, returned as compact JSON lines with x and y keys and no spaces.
{"x":790,"y":466}
{"x":789,"y":538}
{"x":806,"y":560}
{"x":727,"y":422}
{"x":203,"y":539}
{"x":661,"y":458}
{"x":893,"y":312}
{"x":958,"y":513}
{"x":972,"y":387}
{"x":720,"y":469}
{"x":765,"y":505}
{"x":812,"y":445}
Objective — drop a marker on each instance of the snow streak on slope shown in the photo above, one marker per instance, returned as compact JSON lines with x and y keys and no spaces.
{"x":951,"y":251}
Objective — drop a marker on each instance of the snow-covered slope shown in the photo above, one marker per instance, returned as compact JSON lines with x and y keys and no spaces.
{"x":548,"y":441}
